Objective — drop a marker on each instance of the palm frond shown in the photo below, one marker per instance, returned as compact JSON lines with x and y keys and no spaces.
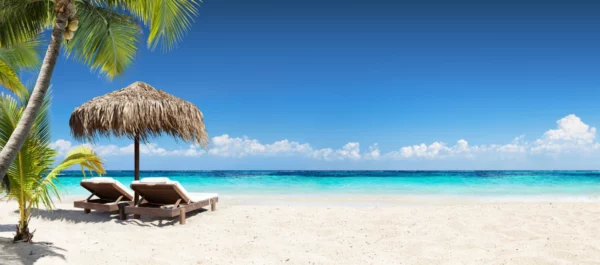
{"x":23,"y":20}
{"x":106,"y":40}
{"x":22,"y":56}
{"x":48,"y":186}
{"x":168,"y":20}
{"x":10,"y":79}
{"x":84,"y":156}
{"x":18,"y":57}
{"x":10,"y":113}
{"x":5,"y":127}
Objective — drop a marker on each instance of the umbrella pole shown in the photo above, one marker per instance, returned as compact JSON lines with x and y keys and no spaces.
{"x":137,"y":170}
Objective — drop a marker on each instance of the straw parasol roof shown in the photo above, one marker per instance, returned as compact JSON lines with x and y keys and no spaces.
{"x":138,"y":111}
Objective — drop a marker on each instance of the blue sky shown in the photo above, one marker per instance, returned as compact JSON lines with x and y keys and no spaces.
{"x":392,"y":73}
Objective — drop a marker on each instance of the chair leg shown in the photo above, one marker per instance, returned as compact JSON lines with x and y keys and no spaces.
{"x":122,"y":215}
{"x":87,"y":211}
{"x":182,"y":216}
{"x":213,"y":206}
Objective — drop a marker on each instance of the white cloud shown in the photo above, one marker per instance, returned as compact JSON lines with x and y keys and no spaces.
{"x":227,"y":146}
{"x":61,"y":146}
{"x":349,"y":151}
{"x":462,"y":146}
{"x":571,"y":129}
{"x":434,"y":150}
{"x":374,"y":153}
{"x":572,"y":135}
{"x":151,"y":149}
{"x":323,"y":154}
{"x":511,"y":148}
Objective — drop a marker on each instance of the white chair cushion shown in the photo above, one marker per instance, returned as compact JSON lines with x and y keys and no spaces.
{"x":100,"y":180}
{"x":194,"y":197}
{"x":160,"y":181}
{"x":110,"y":181}
{"x":155,"y":180}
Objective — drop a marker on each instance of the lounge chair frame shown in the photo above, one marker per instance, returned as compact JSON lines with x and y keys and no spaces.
{"x":164,"y":200}
{"x":106,"y":201}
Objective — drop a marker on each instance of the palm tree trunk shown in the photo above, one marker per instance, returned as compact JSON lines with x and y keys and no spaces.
{"x":23,"y":234}
{"x":19,"y":135}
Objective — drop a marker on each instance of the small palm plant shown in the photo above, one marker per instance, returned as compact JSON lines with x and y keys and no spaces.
{"x":21,"y":56}
{"x":32,"y":181}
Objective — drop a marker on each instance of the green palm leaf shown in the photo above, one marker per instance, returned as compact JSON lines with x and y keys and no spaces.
{"x":18,"y":57}
{"x":106,"y":41}
{"x":48,"y":186}
{"x":10,"y":112}
{"x":167,"y":20}
{"x":23,"y":20}
{"x":23,"y":56}
{"x":10,"y":79}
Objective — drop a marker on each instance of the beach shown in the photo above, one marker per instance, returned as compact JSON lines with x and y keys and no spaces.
{"x":318,"y":230}
{"x":299,"y":132}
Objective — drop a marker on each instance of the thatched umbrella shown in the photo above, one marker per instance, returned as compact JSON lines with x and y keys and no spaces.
{"x":138,"y":112}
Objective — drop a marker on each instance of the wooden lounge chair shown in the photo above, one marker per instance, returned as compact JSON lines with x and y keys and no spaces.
{"x":161,"y":197}
{"x":109,"y":192}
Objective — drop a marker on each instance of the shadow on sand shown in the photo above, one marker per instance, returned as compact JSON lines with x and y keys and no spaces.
{"x":162,"y":222}
{"x":74,"y":216}
{"x":8,"y":228}
{"x":78,"y":216}
{"x":26,"y":253}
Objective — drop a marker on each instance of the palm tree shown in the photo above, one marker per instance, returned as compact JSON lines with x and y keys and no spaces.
{"x":106,"y":40}
{"x":31,"y":180}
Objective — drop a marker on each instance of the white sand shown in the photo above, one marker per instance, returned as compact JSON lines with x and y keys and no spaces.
{"x":290,"y":230}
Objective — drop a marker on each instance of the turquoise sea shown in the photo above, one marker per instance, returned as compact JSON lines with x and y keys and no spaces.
{"x":453,"y":183}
